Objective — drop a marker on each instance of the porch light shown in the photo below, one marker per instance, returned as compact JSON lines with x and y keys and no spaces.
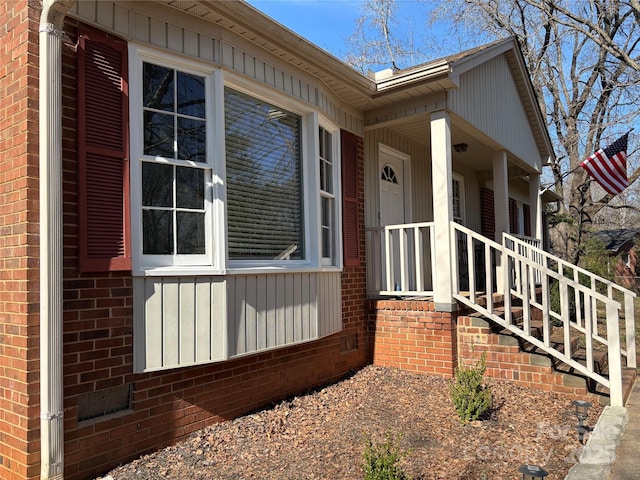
{"x":582,"y":412}
{"x":460,"y":147}
{"x":529,"y":472}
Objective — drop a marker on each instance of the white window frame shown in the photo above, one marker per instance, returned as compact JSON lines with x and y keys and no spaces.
{"x":460,"y":180}
{"x":336,"y":245}
{"x":138,"y":55}
{"x":216,"y":259}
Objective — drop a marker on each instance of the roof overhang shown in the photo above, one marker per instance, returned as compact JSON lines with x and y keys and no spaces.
{"x":354,"y":89}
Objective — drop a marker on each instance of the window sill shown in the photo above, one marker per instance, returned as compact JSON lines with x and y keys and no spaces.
{"x":187,"y":271}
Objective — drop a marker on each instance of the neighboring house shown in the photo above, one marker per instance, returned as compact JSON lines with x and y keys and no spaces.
{"x":203,"y":213}
{"x":622,"y":243}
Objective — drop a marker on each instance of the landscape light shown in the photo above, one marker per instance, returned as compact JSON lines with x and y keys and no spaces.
{"x":529,"y":472}
{"x":582,"y":412}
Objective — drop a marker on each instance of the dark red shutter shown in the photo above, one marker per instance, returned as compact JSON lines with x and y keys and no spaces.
{"x":487,"y":213}
{"x":513,"y":216}
{"x":103,"y":144}
{"x":350,"y":223}
{"x":526,"y":215}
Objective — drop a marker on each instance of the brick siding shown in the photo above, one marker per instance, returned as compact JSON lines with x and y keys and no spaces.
{"x":505,"y":360}
{"x":168,"y":406}
{"x":412,"y":336}
{"x":487,"y":213}
{"x":98,"y":346}
{"x":19,"y":287}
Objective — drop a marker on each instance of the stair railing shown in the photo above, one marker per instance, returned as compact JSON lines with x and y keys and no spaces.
{"x":595,"y":282}
{"x":530,"y":277}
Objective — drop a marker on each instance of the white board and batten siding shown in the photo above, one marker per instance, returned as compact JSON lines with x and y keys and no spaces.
{"x":168,"y":29}
{"x":488,"y":98}
{"x":184,"y":321}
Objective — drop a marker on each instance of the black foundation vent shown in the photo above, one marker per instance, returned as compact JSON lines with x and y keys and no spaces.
{"x":104,"y":403}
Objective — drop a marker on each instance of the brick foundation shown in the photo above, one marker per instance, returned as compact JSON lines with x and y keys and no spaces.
{"x":505,"y":360}
{"x":412,"y":336}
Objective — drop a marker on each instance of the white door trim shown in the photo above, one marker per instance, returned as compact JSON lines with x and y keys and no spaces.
{"x":406,"y":161}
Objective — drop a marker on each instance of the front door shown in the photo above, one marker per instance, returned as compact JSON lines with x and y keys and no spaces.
{"x":392,"y":187}
{"x":394,"y":175}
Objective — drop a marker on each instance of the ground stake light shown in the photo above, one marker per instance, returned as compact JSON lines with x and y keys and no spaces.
{"x":529,"y":472}
{"x":582,"y":412}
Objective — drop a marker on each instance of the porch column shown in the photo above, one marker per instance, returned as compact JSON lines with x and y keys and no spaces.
{"x":501,"y":193}
{"x":535,"y":202}
{"x":500,"y":205}
{"x":442,"y":211}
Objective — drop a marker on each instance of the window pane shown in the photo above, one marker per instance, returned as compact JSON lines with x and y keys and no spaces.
{"x":326,"y":176}
{"x":189,"y":188}
{"x":327,"y":227}
{"x":190,"y":227}
{"x":157,"y":232}
{"x":192,"y":140}
{"x":327,"y":147}
{"x":158,"y":84}
{"x":158,"y":134}
{"x":264,"y":180}
{"x":191,"y":95}
{"x":157,"y":185}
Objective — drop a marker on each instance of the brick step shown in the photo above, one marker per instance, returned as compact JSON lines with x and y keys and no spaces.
{"x":578,"y":353}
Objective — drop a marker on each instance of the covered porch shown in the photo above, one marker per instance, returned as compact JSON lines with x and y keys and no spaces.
{"x":457,"y":140}
{"x":455,"y":228}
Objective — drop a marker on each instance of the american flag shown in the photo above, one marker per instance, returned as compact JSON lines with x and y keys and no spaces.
{"x":608,"y":166}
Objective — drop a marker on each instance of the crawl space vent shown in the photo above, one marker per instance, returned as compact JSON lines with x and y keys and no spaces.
{"x":99,"y":404}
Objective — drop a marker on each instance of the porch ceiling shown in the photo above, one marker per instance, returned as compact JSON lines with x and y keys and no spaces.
{"x":480,"y":148}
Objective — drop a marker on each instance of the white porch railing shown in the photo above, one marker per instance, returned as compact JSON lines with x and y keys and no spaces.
{"x":584,"y":305}
{"x":580,"y":304}
{"x":402,"y":256}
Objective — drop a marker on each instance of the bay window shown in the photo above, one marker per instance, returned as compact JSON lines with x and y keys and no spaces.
{"x":225,"y":179}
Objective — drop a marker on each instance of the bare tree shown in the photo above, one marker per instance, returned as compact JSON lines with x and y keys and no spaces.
{"x":584,"y":61}
{"x":378,"y":40}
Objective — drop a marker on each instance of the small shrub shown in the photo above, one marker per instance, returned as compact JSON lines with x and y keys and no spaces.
{"x":382,"y":462}
{"x":471,"y":396}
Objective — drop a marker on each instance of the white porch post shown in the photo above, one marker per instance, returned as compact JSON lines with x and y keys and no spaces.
{"x":442,"y":210}
{"x":500,"y":205}
{"x":535,"y":202}
{"x":500,"y":193}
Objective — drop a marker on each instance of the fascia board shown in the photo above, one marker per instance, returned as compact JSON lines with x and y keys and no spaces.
{"x":426,"y":73}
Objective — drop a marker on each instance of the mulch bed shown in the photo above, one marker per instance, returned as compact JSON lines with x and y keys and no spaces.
{"x":322,"y":435}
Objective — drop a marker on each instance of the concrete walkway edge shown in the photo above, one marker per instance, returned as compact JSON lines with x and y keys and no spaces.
{"x":611,"y":450}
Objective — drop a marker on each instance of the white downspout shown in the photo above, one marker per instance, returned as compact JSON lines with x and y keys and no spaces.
{"x":51,"y":381}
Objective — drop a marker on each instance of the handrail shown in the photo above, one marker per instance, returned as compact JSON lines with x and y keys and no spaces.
{"x":523,"y":272}
{"x":566,"y":264}
{"x":629,"y":295}
{"x":490,"y":276}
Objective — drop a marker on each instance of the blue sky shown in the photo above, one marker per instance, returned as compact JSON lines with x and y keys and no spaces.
{"x":327,"y":23}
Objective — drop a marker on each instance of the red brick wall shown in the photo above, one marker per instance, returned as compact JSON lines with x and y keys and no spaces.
{"x":169,"y":406}
{"x":410,"y":335}
{"x":19,"y":286}
{"x":625,"y":275}
{"x":505,"y":360}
